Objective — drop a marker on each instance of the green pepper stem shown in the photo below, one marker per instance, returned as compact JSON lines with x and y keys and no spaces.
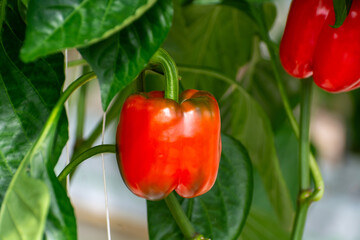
{"x":304,"y":143}
{"x":300,"y":219}
{"x":106,"y":148}
{"x":75,"y":63}
{"x":80,"y":115}
{"x":162,"y":58}
{"x":304,"y":170}
{"x":178,"y":214}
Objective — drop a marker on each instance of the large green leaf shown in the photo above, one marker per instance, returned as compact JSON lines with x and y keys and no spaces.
{"x":28,"y":92}
{"x":119,"y":59}
{"x":263,"y":88}
{"x":246,"y":121}
{"x":262,"y":223}
{"x":217,"y":37}
{"x":226,"y":45}
{"x":260,"y":226}
{"x":287,"y":146}
{"x":54,"y":25}
{"x":219,"y":214}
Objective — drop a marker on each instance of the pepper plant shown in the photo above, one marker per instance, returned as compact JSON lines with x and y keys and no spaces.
{"x":267,"y":176}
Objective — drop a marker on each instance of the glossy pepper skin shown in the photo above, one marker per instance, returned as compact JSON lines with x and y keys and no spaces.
{"x":310,"y":46}
{"x":163,"y":145}
{"x":305,"y":20}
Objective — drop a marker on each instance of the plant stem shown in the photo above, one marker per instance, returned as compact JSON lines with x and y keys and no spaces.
{"x":304,"y":150}
{"x":76,"y":63}
{"x":182,"y":221}
{"x":82,"y":157}
{"x":300,"y":219}
{"x":304,"y":143}
{"x":162,"y":58}
{"x":80,"y":115}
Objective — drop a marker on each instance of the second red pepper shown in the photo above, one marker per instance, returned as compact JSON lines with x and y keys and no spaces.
{"x":310,"y":46}
{"x":164,"y":146}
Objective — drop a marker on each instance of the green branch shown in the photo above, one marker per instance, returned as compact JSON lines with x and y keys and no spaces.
{"x":304,"y":150}
{"x":304,"y":143}
{"x":106,"y":148}
{"x":180,"y":218}
{"x":75,"y":63}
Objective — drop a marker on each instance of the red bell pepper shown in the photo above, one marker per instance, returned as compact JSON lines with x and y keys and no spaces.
{"x":310,"y":46}
{"x":163,"y":145}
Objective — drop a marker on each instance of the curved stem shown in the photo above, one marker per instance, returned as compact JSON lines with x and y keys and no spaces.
{"x":168,"y":65}
{"x":318,"y":192}
{"x":162,"y":58}
{"x":83,"y":156}
{"x":181,"y":219}
{"x":76,"y":84}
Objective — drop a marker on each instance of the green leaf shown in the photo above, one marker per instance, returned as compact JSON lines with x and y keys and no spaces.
{"x":28,"y":92}
{"x":262,"y":222}
{"x":217,"y":37}
{"x":120,"y":58}
{"x":270,"y":13}
{"x":242,"y":5}
{"x":218,"y":214}
{"x":61,"y":222}
{"x":342,"y":9}
{"x":287,"y":147}
{"x":263,"y":88}
{"x":54,"y":25}
{"x":23,"y":213}
{"x":247,"y":122}
{"x":260,"y":226}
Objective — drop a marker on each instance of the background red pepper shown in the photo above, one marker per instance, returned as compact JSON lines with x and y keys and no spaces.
{"x":311,"y":46}
{"x":164,"y":146}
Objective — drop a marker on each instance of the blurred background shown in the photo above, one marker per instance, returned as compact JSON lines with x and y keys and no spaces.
{"x":334,"y":134}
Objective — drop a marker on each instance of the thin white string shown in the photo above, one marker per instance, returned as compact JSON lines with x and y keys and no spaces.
{"x":67,"y":108}
{"x":104,"y":179}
